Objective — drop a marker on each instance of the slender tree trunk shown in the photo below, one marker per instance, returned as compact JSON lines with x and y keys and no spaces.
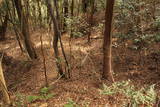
{"x":91,"y":19}
{"x":3,"y":28}
{"x":84,"y":5}
{"x":107,"y":44}
{"x":56,"y":35}
{"x":57,"y":14}
{"x":25,"y":30}
{"x":72,"y":14}
{"x":61,"y":44}
{"x":72,"y":8}
{"x":44,"y":63}
{"x":14,"y":28}
{"x":154,"y":9}
{"x":65,"y":15}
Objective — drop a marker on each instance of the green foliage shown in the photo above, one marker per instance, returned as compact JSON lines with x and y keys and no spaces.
{"x":131,"y":17}
{"x":71,"y":103}
{"x":101,"y":4}
{"x":44,"y":90}
{"x":45,"y":95}
{"x":123,"y":36}
{"x":22,"y":100}
{"x":31,"y":99}
{"x":77,"y":25}
{"x":145,"y":96}
{"x":157,"y":37}
{"x":156,"y":23}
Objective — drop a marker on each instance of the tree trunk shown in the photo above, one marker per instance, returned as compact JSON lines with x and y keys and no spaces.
{"x":3,"y":28}
{"x":91,"y":19}
{"x":57,"y":14}
{"x":84,"y":5}
{"x":65,"y":15}
{"x":14,"y":26}
{"x":56,"y":35}
{"x":72,"y":15}
{"x":25,"y":30}
{"x":72,"y":8}
{"x":107,"y":44}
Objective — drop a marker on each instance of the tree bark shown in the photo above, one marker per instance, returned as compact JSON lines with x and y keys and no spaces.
{"x":3,"y":28}
{"x":84,"y":5}
{"x":91,"y":19}
{"x":72,"y":8}
{"x":56,"y":35}
{"x":65,"y":15}
{"x":107,"y":44}
{"x":25,"y":30}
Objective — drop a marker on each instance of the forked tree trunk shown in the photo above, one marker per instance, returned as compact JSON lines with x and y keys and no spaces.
{"x":56,"y":35}
{"x":107,"y":45}
{"x":25,"y":30}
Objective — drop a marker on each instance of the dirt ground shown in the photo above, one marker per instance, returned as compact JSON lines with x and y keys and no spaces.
{"x":27,"y":77}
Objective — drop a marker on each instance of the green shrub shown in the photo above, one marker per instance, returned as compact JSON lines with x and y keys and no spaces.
{"x":71,"y":103}
{"x":136,"y":97}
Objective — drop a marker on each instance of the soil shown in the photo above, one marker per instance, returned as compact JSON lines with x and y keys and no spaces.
{"x":26,"y":77}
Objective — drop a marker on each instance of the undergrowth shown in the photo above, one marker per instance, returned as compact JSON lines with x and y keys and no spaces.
{"x":24,"y":100}
{"x":134,"y":97}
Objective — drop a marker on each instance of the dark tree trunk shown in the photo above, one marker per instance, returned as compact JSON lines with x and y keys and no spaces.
{"x":72,"y":14}
{"x":65,"y":15}
{"x":84,"y":5}
{"x":57,"y":14}
{"x":3,"y":28}
{"x":107,"y":45}
{"x":25,"y":30}
{"x":56,"y":35}
{"x":91,"y":19}
{"x":72,"y":8}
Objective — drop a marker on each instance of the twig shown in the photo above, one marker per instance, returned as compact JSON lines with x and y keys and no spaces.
{"x":57,"y":79}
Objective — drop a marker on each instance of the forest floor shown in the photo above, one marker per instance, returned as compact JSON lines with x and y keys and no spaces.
{"x":25,"y":77}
